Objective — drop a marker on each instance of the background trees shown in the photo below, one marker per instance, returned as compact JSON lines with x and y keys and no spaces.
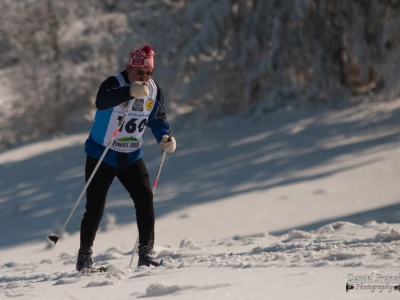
{"x":54,"y":53}
{"x":213,"y":58}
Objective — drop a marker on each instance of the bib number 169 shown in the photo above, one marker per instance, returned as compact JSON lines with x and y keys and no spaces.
{"x":131,"y":126}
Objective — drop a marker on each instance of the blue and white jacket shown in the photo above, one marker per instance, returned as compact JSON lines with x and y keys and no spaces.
{"x":111,"y":100}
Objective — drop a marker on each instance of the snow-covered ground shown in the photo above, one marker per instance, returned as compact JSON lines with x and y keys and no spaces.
{"x":289,"y":207}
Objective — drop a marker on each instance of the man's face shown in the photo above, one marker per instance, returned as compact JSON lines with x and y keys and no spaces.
{"x":139,"y":74}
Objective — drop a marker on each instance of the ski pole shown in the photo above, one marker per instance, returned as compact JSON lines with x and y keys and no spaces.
{"x":154,"y":189}
{"x":55,"y":237}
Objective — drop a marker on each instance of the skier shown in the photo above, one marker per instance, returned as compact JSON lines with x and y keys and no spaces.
{"x":124,"y":159}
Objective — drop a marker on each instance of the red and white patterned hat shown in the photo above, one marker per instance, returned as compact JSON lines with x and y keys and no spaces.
{"x":141,"y":58}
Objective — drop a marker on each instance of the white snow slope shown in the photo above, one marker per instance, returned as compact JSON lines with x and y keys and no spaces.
{"x":291,"y":207}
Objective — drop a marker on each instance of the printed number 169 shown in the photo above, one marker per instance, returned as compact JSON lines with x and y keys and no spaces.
{"x":131,"y":126}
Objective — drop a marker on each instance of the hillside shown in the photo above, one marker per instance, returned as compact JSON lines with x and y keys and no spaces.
{"x":285,"y":207}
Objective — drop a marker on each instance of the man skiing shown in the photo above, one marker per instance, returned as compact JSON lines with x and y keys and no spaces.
{"x":124,"y":158}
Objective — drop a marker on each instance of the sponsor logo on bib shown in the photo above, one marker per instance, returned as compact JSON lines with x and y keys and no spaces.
{"x":124,"y":104}
{"x":126,"y":142}
{"x":149,"y":104}
{"x":138,"y":105}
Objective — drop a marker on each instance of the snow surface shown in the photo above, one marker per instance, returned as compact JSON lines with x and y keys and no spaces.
{"x":281,"y":208}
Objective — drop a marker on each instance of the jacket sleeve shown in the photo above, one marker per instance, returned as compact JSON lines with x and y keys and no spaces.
{"x":157,"y":120}
{"x":111,"y":94}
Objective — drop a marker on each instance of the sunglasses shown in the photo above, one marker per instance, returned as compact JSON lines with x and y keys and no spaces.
{"x":141,"y":72}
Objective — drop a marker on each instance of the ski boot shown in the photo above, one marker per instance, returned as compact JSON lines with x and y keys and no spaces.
{"x":84,"y":261}
{"x":146,"y":257}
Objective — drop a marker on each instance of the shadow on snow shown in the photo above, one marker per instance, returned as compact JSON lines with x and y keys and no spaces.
{"x":37,"y":194}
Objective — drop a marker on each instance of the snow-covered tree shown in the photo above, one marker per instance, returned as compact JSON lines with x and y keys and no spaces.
{"x":58,"y":51}
{"x":227,"y":55}
{"x":213,"y":58}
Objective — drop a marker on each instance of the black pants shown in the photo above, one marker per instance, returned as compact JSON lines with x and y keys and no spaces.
{"x":136,"y":181}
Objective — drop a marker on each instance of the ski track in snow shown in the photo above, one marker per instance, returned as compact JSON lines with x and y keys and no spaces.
{"x":340,"y":244}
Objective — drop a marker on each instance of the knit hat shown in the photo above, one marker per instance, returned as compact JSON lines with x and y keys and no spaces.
{"x":141,"y":58}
